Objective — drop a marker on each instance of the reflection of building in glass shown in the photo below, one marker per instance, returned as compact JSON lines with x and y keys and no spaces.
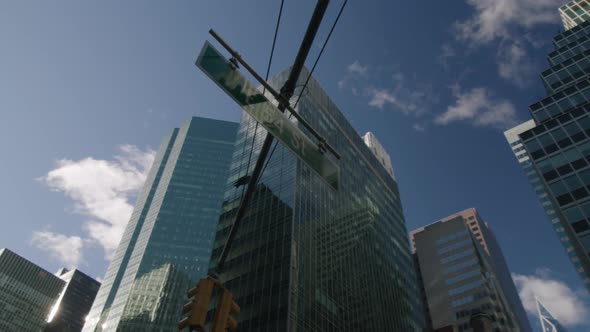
{"x":463,"y":273}
{"x":166,"y":246}
{"x":27,"y":293}
{"x":308,"y":258}
{"x":553,"y":148}
{"x":73,"y":304}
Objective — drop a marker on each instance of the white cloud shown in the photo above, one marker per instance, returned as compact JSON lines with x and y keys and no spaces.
{"x":446,"y":52}
{"x":508,"y":22}
{"x":419,"y":128}
{"x":513,"y":64}
{"x":566,"y":305}
{"x":66,"y":249}
{"x":480,"y":109}
{"x":357,"y":68}
{"x":389,"y":88}
{"x":494,"y":18}
{"x":102,"y":190}
{"x":379,"y":97}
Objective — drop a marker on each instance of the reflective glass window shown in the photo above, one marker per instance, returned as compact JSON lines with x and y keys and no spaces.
{"x":573,"y":214}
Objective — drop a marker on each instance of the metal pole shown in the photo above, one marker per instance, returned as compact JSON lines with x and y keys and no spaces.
{"x":286,"y":93}
{"x":277,"y":95}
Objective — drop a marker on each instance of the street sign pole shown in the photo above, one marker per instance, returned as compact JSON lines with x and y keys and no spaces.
{"x":286,"y":93}
{"x":224,"y":73}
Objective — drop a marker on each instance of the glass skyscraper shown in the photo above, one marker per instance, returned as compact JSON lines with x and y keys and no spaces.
{"x":306,"y":257}
{"x":554,"y":147}
{"x":27,"y":293}
{"x":73,"y":304}
{"x":167,"y":243}
{"x":574,"y":13}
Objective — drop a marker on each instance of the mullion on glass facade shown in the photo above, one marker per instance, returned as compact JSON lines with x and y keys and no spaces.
{"x":167,"y":243}
{"x":344,"y":256}
{"x":556,"y":144}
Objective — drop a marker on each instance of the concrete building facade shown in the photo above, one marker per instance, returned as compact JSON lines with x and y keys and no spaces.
{"x":463,"y":272}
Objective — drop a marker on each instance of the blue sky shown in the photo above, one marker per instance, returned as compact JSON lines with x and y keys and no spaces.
{"x":87,"y":91}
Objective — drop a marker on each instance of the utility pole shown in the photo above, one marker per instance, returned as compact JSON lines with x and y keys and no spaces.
{"x":200,"y":296}
{"x":286,"y":93}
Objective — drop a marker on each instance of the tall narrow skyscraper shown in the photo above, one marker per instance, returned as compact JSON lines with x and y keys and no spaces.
{"x":463,"y":273}
{"x":311,"y":258}
{"x":554,"y":147}
{"x":166,"y":246}
{"x":74,"y":302}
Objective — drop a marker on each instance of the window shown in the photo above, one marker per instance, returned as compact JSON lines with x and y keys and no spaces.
{"x":463,"y":276}
{"x":460,"y":266}
{"x":454,"y":246}
{"x":466,"y":287}
{"x":572,"y":182}
{"x":462,"y":301}
{"x":573,"y":214}
{"x":558,"y":160}
{"x":585,"y":240}
{"x":457,"y":256}
{"x":558,"y":188}
{"x":580,"y":226}
{"x":452,"y":237}
{"x":585,"y":176}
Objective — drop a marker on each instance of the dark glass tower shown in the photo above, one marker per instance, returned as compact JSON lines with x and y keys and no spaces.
{"x":554,"y":147}
{"x":166,"y":246}
{"x":73,"y":304}
{"x":308,"y":258}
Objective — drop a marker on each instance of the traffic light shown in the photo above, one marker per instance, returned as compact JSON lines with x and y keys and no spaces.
{"x":197,"y":308}
{"x":226,"y":306}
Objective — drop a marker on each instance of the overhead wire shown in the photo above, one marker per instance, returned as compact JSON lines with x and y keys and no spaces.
{"x":308,"y":78}
{"x":272,"y":50}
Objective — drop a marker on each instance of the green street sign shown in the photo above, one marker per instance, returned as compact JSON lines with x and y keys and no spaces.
{"x":225,"y":74}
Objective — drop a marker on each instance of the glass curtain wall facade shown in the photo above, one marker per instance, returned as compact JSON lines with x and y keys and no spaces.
{"x":463,"y":273}
{"x":574,"y":13}
{"x":554,"y":147}
{"x":27,"y":293}
{"x":166,"y":246}
{"x":73,"y":304}
{"x":308,"y":258}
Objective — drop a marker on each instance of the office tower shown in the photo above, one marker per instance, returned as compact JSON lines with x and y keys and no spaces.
{"x":379,"y":152}
{"x":69,"y":312}
{"x":574,"y":13}
{"x":553,"y":147}
{"x":548,"y":323}
{"x":311,"y":258}
{"x":464,"y":273}
{"x":27,"y":293}
{"x":166,"y":245}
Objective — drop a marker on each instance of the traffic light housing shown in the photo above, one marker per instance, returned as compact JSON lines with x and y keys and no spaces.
{"x":226,"y":306}
{"x":197,"y":308}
